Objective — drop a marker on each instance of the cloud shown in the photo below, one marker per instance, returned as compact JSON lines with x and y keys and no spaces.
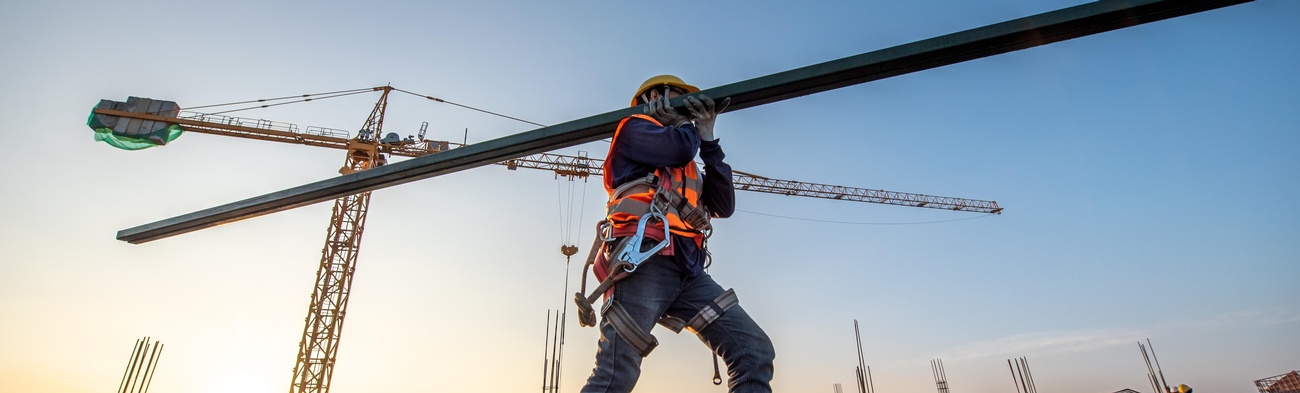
{"x":1042,"y":343}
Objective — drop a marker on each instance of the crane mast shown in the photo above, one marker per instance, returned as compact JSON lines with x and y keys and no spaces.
{"x":318,"y":349}
{"x":329,"y":300}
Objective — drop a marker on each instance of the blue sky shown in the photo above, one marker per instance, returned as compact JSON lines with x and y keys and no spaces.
{"x":1148,"y":175}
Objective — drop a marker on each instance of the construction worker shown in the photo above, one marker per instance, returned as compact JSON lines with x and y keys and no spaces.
{"x":651,"y":160}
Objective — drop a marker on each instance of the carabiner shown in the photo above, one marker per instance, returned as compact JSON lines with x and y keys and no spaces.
{"x":631,"y":252}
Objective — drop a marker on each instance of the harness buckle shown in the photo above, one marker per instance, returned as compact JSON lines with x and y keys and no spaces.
{"x":605,"y":231}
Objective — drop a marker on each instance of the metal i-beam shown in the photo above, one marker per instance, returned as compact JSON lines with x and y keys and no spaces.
{"x":1027,"y":32}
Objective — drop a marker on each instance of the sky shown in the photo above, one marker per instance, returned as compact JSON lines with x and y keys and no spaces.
{"x":1148,"y":175}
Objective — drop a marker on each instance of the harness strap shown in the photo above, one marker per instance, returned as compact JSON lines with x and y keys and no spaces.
{"x":586,"y":315}
{"x":640,"y":341}
{"x":649,"y":181}
{"x":712,"y":311}
{"x":702,"y":319}
{"x":632,"y":206}
{"x":618,"y":269}
{"x":672,"y":323}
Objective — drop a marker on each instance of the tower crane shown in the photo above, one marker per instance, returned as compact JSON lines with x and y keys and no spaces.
{"x":371,"y":148}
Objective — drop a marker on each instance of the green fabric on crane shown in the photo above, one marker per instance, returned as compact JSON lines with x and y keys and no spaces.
{"x":105,"y":134}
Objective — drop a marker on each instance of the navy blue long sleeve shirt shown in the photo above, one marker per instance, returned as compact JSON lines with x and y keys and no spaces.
{"x":642,"y":146}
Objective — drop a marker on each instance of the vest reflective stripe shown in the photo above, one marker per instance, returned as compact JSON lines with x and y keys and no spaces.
{"x":683,"y":186}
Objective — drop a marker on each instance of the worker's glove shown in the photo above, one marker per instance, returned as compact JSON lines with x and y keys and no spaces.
{"x":705,"y":113}
{"x":663,"y":113}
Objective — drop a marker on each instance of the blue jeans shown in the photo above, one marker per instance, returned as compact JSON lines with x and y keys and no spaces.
{"x":660,"y":287}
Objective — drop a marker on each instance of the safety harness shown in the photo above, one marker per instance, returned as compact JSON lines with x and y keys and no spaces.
{"x":640,"y":218}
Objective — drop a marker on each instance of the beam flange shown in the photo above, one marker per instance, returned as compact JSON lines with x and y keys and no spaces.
{"x":1013,"y":35}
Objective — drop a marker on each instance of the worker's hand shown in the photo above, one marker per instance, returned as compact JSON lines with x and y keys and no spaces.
{"x":705,"y":113}
{"x":665,"y":114}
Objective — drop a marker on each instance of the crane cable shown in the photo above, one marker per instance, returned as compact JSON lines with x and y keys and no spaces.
{"x":340,"y":93}
{"x":436,"y":99}
{"x":284,"y":103}
{"x":567,"y":224}
{"x":568,"y":248}
{"x":432,"y":98}
{"x":305,"y":98}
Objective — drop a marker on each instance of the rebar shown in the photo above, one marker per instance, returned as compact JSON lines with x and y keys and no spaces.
{"x":140,"y":370}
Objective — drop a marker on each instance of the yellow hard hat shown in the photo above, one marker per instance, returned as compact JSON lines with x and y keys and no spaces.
{"x":1184,"y":389}
{"x":661,"y":80}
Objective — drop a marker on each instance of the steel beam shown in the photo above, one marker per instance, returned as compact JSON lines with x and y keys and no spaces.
{"x":1027,"y":32}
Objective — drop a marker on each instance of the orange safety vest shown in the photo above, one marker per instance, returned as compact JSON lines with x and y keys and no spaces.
{"x":679,"y":188}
